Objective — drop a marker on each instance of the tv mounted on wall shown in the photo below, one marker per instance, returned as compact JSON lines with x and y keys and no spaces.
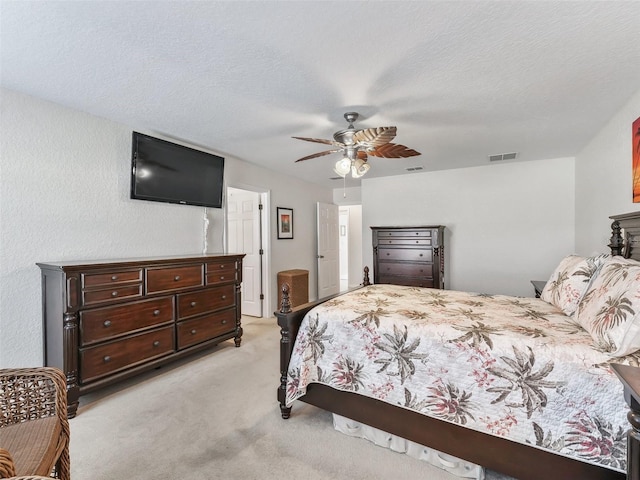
{"x":162,"y":171}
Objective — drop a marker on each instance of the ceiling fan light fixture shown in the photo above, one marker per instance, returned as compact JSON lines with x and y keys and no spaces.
{"x":343,"y":166}
{"x":359,"y":168}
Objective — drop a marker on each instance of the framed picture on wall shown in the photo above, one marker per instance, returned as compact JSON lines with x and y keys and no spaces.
{"x":635,"y":141}
{"x":285,"y":223}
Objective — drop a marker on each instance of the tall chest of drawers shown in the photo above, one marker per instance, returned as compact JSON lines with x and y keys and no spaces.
{"x":412,"y":256}
{"x":105,"y":321}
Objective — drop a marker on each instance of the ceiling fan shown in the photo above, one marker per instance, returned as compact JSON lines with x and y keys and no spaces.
{"x":357,"y":144}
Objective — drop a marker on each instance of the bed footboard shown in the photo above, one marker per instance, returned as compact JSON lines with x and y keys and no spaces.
{"x":289,"y":321}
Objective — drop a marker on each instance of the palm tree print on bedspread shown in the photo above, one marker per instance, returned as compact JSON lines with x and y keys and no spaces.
{"x":522,"y":379}
{"x":401,"y":351}
{"x":595,"y":439}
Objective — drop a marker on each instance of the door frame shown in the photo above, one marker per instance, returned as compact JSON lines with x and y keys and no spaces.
{"x":265,"y":199}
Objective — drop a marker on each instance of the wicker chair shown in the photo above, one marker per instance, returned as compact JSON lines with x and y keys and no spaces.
{"x":34,"y":431}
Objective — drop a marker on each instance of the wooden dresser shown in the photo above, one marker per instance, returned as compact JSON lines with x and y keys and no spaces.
{"x":105,"y":321}
{"x":411,"y":256}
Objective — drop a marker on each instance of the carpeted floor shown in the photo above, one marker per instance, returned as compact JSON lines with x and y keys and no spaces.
{"x":215,"y":416}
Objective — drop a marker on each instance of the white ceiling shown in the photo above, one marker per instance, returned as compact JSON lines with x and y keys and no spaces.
{"x":461,"y":80}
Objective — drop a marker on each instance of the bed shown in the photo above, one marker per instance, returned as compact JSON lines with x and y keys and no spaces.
{"x":555,"y":425}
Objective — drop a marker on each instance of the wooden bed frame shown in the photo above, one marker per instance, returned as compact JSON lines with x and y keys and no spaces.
{"x":515,"y":459}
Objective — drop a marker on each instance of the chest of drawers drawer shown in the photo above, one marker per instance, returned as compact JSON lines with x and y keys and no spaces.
{"x":206,"y":327}
{"x":117,"y":278}
{"x":115,"y":293}
{"x":167,"y":279}
{"x":427,"y":233}
{"x":403,"y":241}
{"x":408,"y":281}
{"x":408,"y":254}
{"x":101,"y":324}
{"x":111,"y":357}
{"x":203,"y":301}
{"x":409,"y":269}
{"x":221,"y":272}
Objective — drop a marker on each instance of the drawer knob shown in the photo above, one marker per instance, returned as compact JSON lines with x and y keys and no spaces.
{"x":193,"y":332}
{"x":176,"y":278}
{"x":420,"y":254}
{"x":387,"y":254}
{"x":156,"y":343}
{"x":223,"y":322}
{"x":222,"y":266}
{"x":224,"y":297}
{"x":114,"y":294}
{"x":106,"y":359}
{"x":221,"y":278}
{"x":107,"y":323}
{"x":156,"y":313}
{"x":114,"y":278}
{"x":193,"y":304}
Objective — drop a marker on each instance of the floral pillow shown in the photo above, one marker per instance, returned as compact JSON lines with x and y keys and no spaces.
{"x":610,"y":310}
{"x":570,"y":280}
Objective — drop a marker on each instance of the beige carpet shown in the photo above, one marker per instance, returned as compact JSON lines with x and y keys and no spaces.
{"x":215,"y":416}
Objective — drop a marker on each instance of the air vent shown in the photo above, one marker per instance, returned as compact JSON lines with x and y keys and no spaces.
{"x":503,"y":156}
{"x":414,"y":169}
{"x":335,"y":178}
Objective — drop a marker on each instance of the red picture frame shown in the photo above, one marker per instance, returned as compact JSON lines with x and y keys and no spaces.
{"x":635,"y":142}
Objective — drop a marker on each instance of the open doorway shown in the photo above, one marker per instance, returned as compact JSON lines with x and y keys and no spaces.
{"x":247,"y":232}
{"x":350,"y":244}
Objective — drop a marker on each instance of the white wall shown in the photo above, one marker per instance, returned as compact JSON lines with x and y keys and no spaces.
{"x":506,"y":224}
{"x":355,"y":245}
{"x":65,"y":196}
{"x":603,"y":180}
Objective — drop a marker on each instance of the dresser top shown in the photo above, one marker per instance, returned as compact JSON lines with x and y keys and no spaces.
{"x":411,"y":227}
{"x":168,"y":259}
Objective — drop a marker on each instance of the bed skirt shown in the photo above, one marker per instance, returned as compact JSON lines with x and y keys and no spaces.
{"x":451,"y":464}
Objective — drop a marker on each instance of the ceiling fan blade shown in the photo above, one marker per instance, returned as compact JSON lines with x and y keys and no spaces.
{"x":393,"y":150}
{"x":317,"y":140}
{"x":320,"y":154}
{"x":375,"y":136}
{"x":362,"y":155}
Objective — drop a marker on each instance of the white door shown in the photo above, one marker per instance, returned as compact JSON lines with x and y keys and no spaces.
{"x":243,"y":230}
{"x":328,"y":250}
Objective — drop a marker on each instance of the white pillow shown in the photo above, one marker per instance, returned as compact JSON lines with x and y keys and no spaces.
{"x":610,"y":309}
{"x":570,"y":280}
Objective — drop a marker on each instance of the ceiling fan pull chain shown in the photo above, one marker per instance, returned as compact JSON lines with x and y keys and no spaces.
{"x":344,"y":187}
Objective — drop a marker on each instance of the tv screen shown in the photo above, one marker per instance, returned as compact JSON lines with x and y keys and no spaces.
{"x":166,"y":172}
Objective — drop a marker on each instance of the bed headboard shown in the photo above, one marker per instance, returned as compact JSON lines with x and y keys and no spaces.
{"x":625,"y":235}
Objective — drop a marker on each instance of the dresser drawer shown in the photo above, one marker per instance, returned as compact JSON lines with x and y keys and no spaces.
{"x":408,"y":254}
{"x":410,"y":269}
{"x":168,"y":279}
{"x":408,"y":281}
{"x":106,"y":323}
{"x":197,"y":303}
{"x":116,"y":293}
{"x":406,"y":241}
{"x":90,"y":280}
{"x":102,"y":360}
{"x":205,"y":328}
{"x":404,"y":233}
{"x":221,"y":272}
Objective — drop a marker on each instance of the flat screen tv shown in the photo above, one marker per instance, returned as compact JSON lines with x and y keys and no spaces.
{"x":162,"y":171}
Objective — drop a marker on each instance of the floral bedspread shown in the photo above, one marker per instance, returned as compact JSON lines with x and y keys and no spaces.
{"x":508,"y":366}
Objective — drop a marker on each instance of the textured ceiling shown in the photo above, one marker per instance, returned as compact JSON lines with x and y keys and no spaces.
{"x":461,"y":80}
